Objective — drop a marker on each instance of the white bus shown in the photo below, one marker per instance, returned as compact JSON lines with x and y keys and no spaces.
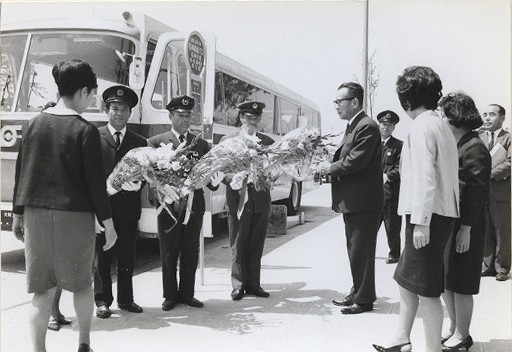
{"x":136,"y":50}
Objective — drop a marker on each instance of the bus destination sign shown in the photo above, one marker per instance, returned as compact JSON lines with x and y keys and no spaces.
{"x":195,"y":53}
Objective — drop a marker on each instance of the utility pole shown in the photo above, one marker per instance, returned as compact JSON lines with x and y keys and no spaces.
{"x":365,"y":53}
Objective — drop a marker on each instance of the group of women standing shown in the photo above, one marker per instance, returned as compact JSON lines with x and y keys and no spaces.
{"x":444,"y":209}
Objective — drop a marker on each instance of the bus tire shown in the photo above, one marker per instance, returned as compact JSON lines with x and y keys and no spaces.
{"x":294,"y":199}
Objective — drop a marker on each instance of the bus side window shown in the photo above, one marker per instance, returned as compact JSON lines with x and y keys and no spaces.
{"x":267,"y":120}
{"x":236,"y":91}
{"x":219,"y":113}
{"x":289,"y":116}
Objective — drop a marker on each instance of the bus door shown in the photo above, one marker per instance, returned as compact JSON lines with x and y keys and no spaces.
{"x":183,"y":63}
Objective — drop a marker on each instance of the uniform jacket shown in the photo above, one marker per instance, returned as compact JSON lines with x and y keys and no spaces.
{"x":500,"y":174}
{"x":58,"y":166}
{"x":197,"y":151}
{"x":258,"y":201}
{"x":125,"y":205}
{"x":474,"y":177}
{"x":391,"y":167}
{"x":356,"y":169}
{"x":429,"y":181}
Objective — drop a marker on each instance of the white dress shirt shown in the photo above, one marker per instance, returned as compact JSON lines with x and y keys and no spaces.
{"x":113,"y":131}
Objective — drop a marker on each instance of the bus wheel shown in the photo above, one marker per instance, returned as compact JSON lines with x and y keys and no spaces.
{"x":293,"y":201}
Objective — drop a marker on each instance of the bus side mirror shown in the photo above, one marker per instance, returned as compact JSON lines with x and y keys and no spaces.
{"x":136,"y":80}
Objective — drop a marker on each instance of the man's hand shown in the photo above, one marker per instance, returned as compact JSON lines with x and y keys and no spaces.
{"x":217,"y":178}
{"x":97,"y":227}
{"x":324,"y":167}
{"x":385,"y":178}
{"x":131,"y":186}
{"x":421,"y":236}
{"x":110,"y":234}
{"x":18,"y":227}
{"x":463,"y":238}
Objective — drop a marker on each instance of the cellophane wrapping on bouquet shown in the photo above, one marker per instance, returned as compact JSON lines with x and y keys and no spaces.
{"x":299,"y":152}
{"x":233,"y":155}
{"x":165,"y":169}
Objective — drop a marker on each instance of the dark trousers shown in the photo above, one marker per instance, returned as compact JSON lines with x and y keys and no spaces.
{"x":247,"y":239}
{"x":182,"y":242}
{"x":497,"y":237}
{"x":393,"y":225}
{"x":124,"y":250}
{"x":361,"y":232}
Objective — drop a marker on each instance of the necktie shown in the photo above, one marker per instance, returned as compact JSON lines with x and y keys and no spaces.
{"x":182,"y":138}
{"x":491,"y":141}
{"x":117,"y":139}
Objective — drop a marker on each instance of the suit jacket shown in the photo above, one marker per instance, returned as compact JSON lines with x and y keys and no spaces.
{"x":197,"y":151}
{"x":391,"y":167}
{"x":500,"y":174}
{"x":429,"y":182}
{"x":258,"y":201}
{"x":356,"y":169}
{"x":58,"y":166}
{"x":474,"y":177}
{"x":125,"y":205}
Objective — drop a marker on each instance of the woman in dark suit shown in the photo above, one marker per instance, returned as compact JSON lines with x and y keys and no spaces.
{"x":59,"y":188}
{"x":466,"y":248}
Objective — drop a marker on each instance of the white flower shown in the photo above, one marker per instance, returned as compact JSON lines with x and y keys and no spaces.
{"x":285,"y":146}
{"x":253,"y":152}
{"x":162,"y":165}
{"x":300,"y":145}
{"x":175,"y":165}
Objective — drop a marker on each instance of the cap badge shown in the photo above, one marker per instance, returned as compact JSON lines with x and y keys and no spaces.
{"x":184,"y":101}
{"x":388,"y":115}
{"x":120,"y":92}
{"x":254,"y":106}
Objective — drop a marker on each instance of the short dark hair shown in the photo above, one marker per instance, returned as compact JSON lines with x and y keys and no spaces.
{"x":73,"y":75}
{"x":501,"y":109}
{"x":355,"y":90}
{"x":419,"y":86}
{"x":461,"y":110}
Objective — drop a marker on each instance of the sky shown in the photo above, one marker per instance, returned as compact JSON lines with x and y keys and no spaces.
{"x":314,"y":46}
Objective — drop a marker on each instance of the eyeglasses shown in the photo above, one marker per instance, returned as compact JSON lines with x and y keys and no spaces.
{"x":338,"y":101}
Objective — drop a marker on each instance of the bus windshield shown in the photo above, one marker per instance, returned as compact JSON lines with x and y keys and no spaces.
{"x":109,"y":56}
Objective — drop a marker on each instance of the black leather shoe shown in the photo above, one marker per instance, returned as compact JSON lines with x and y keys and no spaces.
{"x":192,"y":302}
{"x":258,"y":292}
{"x":488,"y":272}
{"x":131,"y":307}
{"x":84,"y":348}
{"x":345,"y":302}
{"x":501,"y":277}
{"x":103,"y":312}
{"x":168,"y":304}
{"x":404,"y":347}
{"x":466,"y":343}
{"x":357,"y":308}
{"x":63,"y":321}
{"x":392,"y":260}
{"x":237,"y":294}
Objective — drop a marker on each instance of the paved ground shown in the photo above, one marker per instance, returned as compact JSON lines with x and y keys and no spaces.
{"x":303,"y":270}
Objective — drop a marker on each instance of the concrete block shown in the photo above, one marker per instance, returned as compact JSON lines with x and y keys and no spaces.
{"x":277,"y":220}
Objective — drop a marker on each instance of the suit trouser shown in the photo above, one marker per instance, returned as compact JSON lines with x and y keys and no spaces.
{"x":497,"y":237}
{"x":247,"y":239}
{"x":182,"y":242}
{"x":361,"y":233}
{"x":124,"y":250}
{"x":393,"y":226}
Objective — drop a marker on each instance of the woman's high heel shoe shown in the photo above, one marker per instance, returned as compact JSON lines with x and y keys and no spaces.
{"x":404,"y":347}
{"x":466,"y":343}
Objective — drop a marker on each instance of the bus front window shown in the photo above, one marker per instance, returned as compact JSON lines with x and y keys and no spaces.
{"x":99,"y":50}
{"x":12,"y":48}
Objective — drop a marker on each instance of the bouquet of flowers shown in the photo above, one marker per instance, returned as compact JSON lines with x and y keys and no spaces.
{"x":164,"y":168}
{"x":299,"y":152}
{"x":233,"y":155}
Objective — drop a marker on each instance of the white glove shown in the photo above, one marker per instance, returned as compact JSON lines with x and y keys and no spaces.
{"x":217,"y":178}
{"x":131,"y":186}
{"x":238,"y":180}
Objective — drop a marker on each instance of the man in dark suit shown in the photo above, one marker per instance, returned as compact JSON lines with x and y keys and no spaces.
{"x":247,"y":221}
{"x":116,"y":141}
{"x":391,"y":149}
{"x":357,"y":192}
{"x":178,"y":240}
{"x":497,"y":246}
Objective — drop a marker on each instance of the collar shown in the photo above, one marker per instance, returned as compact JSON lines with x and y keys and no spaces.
{"x":467,"y":137}
{"x":112,"y":130}
{"x":496,"y":133}
{"x":354,"y":117}
{"x":386,"y":140}
{"x":177,"y":135}
{"x":61,"y":109}
{"x":251,"y":137}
